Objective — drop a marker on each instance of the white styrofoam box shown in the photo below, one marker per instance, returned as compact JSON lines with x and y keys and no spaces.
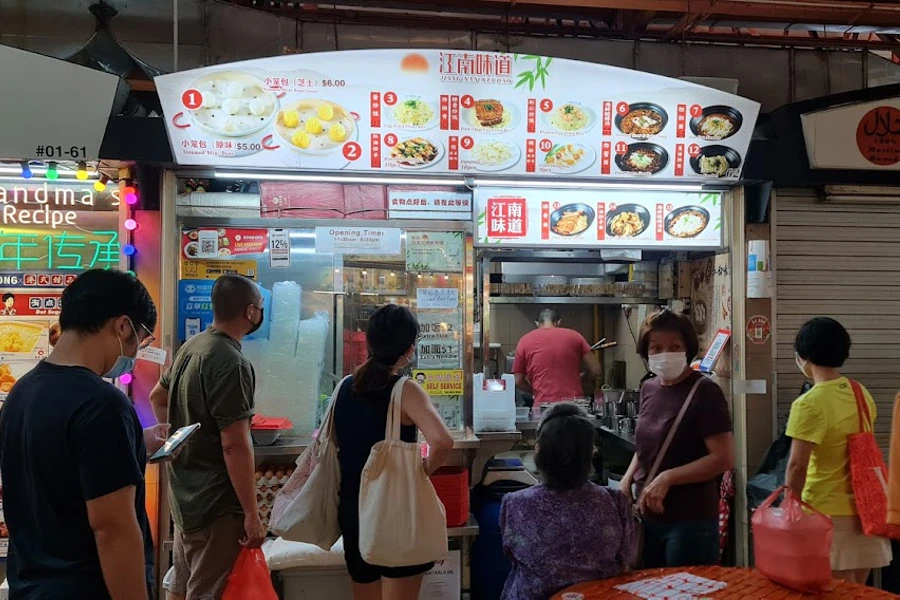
{"x":494,"y":403}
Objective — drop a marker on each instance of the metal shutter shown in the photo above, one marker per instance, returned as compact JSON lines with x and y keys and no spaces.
{"x":841,"y":261}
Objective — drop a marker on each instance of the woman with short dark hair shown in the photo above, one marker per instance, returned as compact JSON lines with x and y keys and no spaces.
{"x":566,"y":530}
{"x":680,"y":506}
{"x":819,"y":424}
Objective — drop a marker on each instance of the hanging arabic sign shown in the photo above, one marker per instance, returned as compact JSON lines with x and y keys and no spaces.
{"x":860,"y":136}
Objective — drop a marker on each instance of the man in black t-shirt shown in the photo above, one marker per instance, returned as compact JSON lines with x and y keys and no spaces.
{"x":72,"y":453}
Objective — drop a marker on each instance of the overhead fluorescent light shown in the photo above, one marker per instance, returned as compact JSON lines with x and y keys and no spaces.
{"x":468,"y":182}
{"x":590,"y":185}
{"x":370,"y":179}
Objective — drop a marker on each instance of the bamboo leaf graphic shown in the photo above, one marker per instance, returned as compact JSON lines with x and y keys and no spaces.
{"x":531,"y":57}
{"x":482,"y":218}
{"x":718,"y":224}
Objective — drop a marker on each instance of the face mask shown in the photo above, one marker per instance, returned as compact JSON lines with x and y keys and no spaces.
{"x":801,"y":364}
{"x":668,"y":365}
{"x":124,"y":364}
{"x":255,"y":326}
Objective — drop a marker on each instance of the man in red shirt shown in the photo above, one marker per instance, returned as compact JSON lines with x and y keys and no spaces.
{"x":549,"y":361}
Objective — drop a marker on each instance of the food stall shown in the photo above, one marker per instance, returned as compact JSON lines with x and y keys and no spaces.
{"x":343,"y":181}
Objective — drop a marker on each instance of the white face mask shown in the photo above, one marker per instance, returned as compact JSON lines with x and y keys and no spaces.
{"x":801,"y":364}
{"x":668,"y":365}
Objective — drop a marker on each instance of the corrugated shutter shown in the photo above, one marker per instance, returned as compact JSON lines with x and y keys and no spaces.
{"x":840,"y":261}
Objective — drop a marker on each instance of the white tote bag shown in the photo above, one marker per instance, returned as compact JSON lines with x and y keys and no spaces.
{"x":401,"y":520}
{"x":306,"y":508}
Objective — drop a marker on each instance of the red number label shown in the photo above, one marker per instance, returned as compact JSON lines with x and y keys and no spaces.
{"x":696,"y":110}
{"x":192,"y":99}
{"x":545,"y":145}
{"x":694,"y":150}
{"x":352,"y":151}
{"x":612,"y":206}
{"x":622,"y":108}
{"x":390,"y":98}
{"x":668,"y":207}
{"x":467,"y":142}
{"x":546,"y":105}
{"x":555,"y":205}
{"x":390,"y":140}
{"x":468,"y":101}
{"x":621,"y":148}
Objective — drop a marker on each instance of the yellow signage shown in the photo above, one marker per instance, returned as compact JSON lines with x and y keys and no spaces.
{"x":440,"y":383}
{"x":212,"y":269}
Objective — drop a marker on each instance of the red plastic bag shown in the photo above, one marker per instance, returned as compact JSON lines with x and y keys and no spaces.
{"x":249,"y":579}
{"x":792,"y":543}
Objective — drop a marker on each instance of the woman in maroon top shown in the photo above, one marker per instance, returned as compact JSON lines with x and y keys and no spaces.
{"x":680,"y":506}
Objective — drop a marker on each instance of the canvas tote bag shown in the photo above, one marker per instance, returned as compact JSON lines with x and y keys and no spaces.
{"x":401,"y":520}
{"x":306,"y":508}
{"x":654,"y":470}
{"x":868,"y":473}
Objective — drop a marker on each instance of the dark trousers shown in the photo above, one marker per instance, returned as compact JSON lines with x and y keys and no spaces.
{"x":681,"y":544}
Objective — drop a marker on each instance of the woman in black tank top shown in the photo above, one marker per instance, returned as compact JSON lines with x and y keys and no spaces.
{"x":360,"y":419}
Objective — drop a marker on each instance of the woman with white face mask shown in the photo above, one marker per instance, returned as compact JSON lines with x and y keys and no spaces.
{"x":678,"y":501}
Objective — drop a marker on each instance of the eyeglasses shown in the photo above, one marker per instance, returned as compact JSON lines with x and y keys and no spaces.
{"x":147,"y":341}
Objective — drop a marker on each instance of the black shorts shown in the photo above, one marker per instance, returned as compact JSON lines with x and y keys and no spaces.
{"x":361,"y":571}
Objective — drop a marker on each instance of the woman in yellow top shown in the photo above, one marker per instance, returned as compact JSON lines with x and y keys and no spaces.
{"x":820,"y":421}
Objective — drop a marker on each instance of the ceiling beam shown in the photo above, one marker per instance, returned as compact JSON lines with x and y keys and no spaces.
{"x":534,"y":27}
{"x":826,"y":12}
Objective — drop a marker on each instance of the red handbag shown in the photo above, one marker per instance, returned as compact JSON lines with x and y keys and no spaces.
{"x":868,"y":473}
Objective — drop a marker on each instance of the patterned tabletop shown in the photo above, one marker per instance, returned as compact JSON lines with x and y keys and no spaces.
{"x":706,"y":582}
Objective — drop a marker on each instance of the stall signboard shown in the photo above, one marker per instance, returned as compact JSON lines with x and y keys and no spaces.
{"x":213,"y":269}
{"x":439,"y":346}
{"x":454,"y":112}
{"x":57,"y":110}
{"x":437,"y":298}
{"x":863,"y":136}
{"x":443,"y":206}
{"x":194,"y":307}
{"x":222,"y":243}
{"x":537,"y":217}
{"x":434,"y":251}
{"x":69,"y":249}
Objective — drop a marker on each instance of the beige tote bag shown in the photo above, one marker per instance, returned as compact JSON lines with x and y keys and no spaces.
{"x":306,"y":508}
{"x":401,"y":520}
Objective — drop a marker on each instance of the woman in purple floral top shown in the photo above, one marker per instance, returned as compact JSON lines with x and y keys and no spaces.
{"x":566,"y":530}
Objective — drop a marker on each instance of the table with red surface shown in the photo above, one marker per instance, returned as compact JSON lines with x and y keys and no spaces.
{"x":742,"y":583}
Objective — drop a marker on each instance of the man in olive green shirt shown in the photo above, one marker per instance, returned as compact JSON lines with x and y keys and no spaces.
{"x":211,"y":482}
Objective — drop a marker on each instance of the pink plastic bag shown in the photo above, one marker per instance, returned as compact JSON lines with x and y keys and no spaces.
{"x":250,"y":578}
{"x":792,"y":543}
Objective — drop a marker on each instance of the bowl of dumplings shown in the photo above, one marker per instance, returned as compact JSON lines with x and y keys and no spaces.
{"x":233,"y":104}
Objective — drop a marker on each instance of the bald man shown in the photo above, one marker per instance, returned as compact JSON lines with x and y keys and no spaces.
{"x":212,"y":484}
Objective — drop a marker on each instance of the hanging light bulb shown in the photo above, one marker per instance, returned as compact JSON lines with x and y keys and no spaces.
{"x":130,"y":224}
{"x":130,"y":195}
{"x":100,"y":184}
{"x":26,"y":170}
{"x":81,"y":174}
{"x":52,"y":171}
{"x":129,"y":250}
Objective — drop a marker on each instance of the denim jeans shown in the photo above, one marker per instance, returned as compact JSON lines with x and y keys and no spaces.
{"x":681,"y":544}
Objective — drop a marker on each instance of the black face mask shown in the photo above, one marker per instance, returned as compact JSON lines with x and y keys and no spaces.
{"x":255,"y":326}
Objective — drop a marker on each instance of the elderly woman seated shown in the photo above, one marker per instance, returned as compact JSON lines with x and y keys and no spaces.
{"x":566,"y":530}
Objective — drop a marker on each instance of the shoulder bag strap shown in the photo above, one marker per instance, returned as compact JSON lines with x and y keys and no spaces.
{"x":395,"y":411}
{"x":862,"y":407}
{"x":651,"y":475}
{"x":326,"y":429}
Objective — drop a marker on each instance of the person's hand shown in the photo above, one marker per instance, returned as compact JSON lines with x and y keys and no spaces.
{"x":254,"y":532}
{"x":625,"y":487}
{"x":155,"y":437}
{"x":655,"y":494}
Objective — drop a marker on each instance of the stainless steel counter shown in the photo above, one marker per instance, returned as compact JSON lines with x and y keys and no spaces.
{"x":621,"y":439}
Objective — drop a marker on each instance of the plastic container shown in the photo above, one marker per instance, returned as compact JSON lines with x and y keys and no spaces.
{"x":452,"y":487}
{"x":494,"y":403}
{"x":267,"y":430}
{"x":523,"y":414}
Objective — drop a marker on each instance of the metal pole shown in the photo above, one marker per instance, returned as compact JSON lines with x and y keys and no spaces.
{"x":174,"y":35}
